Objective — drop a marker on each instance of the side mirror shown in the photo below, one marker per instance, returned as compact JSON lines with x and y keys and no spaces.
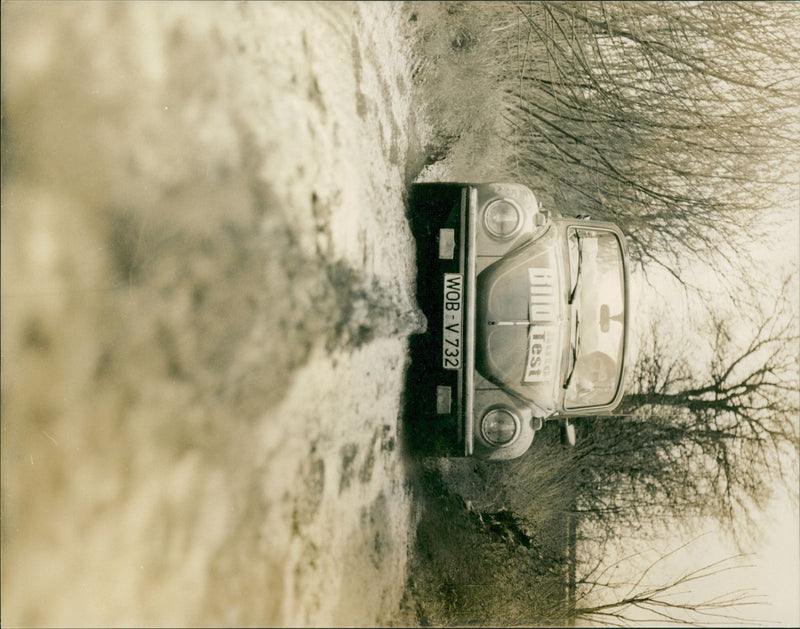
{"x":567,"y":433}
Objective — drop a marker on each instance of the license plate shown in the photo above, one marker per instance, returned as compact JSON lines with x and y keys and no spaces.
{"x":452,"y":351}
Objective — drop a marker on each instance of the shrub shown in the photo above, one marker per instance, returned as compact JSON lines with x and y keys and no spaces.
{"x":465,"y":571}
{"x":459,"y":75}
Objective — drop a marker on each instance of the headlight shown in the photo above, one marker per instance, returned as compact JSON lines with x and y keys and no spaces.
{"x":502,"y":218}
{"x":500,"y":426}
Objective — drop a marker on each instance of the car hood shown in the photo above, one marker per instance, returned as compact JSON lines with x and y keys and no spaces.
{"x":521,"y":322}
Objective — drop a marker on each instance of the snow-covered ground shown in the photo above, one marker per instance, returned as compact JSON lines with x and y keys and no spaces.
{"x":207,"y":289}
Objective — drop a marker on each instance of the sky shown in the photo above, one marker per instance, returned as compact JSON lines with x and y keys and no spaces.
{"x":770,"y":576}
{"x":775,"y":559}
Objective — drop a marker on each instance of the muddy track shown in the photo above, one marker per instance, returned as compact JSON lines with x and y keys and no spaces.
{"x":206,"y":298}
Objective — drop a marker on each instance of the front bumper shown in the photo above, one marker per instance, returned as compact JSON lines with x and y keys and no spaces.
{"x":441,"y":396}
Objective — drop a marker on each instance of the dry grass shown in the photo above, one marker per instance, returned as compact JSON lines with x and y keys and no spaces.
{"x":462,"y":571}
{"x":464,"y":574}
{"x":460,"y":57}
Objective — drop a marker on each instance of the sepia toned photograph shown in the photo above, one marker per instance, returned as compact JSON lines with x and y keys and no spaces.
{"x":400,"y":314}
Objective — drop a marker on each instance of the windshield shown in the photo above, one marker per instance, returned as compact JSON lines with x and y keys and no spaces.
{"x":597,"y":314}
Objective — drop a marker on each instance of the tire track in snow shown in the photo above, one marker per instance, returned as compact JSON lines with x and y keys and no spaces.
{"x":224,"y":272}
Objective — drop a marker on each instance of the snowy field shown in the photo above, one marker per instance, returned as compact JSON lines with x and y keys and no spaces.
{"x":207,"y":289}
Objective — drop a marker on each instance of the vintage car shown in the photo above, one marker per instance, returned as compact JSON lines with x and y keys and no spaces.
{"x":528,"y":319}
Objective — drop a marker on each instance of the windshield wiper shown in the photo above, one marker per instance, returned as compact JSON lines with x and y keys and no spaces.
{"x":578,"y":271}
{"x":575,"y":346}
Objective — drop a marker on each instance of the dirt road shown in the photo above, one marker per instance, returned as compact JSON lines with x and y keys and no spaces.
{"x":207,"y":289}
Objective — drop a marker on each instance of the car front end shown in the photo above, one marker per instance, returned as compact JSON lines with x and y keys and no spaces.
{"x":497,"y":282}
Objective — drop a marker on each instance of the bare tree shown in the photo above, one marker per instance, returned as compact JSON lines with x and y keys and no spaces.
{"x":677,"y":120}
{"x":625,"y":603}
{"x":706,"y":431}
{"x":740,"y":411}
